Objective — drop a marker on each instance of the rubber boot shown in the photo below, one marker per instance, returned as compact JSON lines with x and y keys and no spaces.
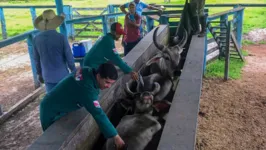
{"x":195,"y":22}
{"x":203,"y":26}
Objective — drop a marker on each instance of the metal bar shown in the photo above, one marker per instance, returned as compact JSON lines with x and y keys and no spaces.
{"x":59,"y":9}
{"x":3,"y":23}
{"x":179,"y":132}
{"x":227,"y":53}
{"x":16,"y":38}
{"x":33,"y":66}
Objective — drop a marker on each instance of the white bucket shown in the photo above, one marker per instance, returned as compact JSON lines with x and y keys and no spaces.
{"x":87,"y":44}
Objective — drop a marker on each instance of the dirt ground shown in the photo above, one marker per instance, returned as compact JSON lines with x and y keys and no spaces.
{"x":233,"y":113}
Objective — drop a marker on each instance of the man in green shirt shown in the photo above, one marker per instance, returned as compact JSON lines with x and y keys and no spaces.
{"x":104,"y":50}
{"x":81,"y":89}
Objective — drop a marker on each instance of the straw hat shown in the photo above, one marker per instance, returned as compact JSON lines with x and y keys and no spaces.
{"x":48,"y":20}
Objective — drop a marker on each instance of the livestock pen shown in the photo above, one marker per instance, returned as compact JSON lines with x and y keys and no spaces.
{"x":175,"y":135}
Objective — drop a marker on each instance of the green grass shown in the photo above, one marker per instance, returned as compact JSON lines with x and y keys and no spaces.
{"x":215,"y":69}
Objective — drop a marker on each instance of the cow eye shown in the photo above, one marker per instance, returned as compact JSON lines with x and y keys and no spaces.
{"x":167,"y":58}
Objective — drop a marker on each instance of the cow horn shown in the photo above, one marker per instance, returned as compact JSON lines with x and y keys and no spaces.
{"x":128,"y":90}
{"x":160,"y":47}
{"x":184,"y":39}
{"x":156,"y":88}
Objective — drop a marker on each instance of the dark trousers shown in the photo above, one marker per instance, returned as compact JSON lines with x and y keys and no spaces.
{"x":129,"y":46}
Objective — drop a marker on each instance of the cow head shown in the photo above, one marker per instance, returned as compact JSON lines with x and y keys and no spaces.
{"x":169,"y":56}
{"x":143,"y":99}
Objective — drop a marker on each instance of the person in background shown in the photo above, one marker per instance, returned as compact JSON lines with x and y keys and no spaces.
{"x":77,"y":90}
{"x":52,"y":53}
{"x":139,"y":8}
{"x":132,"y":30}
{"x":197,"y":8}
{"x":104,"y":50}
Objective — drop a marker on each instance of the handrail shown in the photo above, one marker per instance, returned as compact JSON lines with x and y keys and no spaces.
{"x":29,"y":6}
{"x":17,"y":38}
{"x":92,"y":18}
{"x":210,"y":5}
{"x":228,"y":12}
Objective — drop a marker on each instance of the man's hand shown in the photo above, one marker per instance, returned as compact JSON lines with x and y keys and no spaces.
{"x":134,"y":75}
{"x":119,"y":142}
{"x":160,"y":11}
{"x":40,"y":78}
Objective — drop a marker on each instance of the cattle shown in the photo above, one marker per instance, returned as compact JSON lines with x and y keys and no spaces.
{"x":137,"y":130}
{"x":166,"y":60}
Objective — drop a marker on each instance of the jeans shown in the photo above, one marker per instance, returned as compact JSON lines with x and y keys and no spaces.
{"x":129,"y":46}
{"x":49,"y":86}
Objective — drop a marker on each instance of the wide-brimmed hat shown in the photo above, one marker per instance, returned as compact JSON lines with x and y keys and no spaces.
{"x":48,"y":20}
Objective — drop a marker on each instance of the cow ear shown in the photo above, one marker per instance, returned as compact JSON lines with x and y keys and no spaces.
{"x":154,"y":59}
{"x":162,"y":106}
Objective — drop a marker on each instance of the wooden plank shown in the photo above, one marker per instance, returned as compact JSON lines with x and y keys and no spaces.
{"x":21,"y":104}
{"x":98,"y":23}
{"x":227,"y":52}
{"x":90,"y":30}
{"x":228,"y":12}
{"x":179,"y":132}
{"x":16,"y":38}
{"x":89,"y":36}
{"x":155,"y":17}
{"x":236,"y":46}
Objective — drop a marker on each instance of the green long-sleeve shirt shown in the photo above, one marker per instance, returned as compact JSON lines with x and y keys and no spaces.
{"x":71,"y":94}
{"x":102,"y":51}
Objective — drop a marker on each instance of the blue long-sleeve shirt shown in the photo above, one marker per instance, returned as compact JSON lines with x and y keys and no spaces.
{"x":53,"y":56}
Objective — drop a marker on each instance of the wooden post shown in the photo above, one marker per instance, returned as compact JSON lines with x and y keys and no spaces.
{"x":3,"y":23}
{"x":223,"y":18}
{"x":104,"y":22}
{"x":110,"y":20}
{"x":59,"y":9}
{"x":206,"y":45}
{"x":33,"y":14}
{"x":33,"y":65}
{"x":68,"y":15}
{"x":149,"y":23}
{"x":239,"y":30}
{"x":164,"y":19}
{"x":227,"y":53}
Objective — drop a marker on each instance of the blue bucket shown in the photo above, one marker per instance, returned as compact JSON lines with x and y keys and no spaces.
{"x":78,"y":50}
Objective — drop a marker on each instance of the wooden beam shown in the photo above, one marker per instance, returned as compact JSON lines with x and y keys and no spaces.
{"x":21,"y":104}
{"x":179,"y":132}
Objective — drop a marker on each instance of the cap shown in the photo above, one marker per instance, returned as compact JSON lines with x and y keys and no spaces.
{"x":117,"y":27}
